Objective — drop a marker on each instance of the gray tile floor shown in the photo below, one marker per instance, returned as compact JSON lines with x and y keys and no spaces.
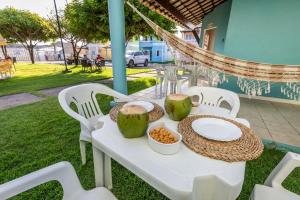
{"x":278,"y":122}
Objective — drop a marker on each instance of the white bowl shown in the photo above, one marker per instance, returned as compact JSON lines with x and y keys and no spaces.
{"x":166,"y":149}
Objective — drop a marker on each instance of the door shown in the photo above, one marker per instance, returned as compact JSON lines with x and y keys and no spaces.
{"x":137,"y":57}
{"x":209,"y":39}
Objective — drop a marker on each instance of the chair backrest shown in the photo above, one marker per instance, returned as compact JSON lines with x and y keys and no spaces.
{"x":84,"y":63}
{"x":158,"y":68}
{"x":215,"y":96}
{"x":62,"y":172}
{"x":84,"y":97}
{"x":170,"y":73}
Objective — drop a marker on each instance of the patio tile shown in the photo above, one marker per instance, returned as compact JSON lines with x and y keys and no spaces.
{"x":273,"y":117}
{"x":255,"y":122}
{"x":249,"y":114}
{"x":262,"y":132}
{"x":286,"y":130}
{"x":296,"y":126}
{"x":287,"y":139}
{"x":296,"y":107}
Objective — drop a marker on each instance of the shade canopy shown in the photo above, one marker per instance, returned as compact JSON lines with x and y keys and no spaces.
{"x":187,"y":13}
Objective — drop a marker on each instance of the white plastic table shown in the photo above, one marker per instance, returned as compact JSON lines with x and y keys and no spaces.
{"x":185,"y":175}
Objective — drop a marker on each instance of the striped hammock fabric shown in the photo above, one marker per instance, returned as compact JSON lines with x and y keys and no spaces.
{"x":236,"y":67}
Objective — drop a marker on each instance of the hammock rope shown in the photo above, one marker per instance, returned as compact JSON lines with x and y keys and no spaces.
{"x":236,"y":67}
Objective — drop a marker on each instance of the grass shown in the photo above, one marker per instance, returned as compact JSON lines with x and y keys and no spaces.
{"x":40,"y":134}
{"x":34,"y":77}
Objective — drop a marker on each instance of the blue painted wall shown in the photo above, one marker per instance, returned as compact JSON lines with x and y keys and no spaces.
{"x":219,"y":19}
{"x":257,"y":30}
{"x":264,"y":31}
{"x":154,"y":46}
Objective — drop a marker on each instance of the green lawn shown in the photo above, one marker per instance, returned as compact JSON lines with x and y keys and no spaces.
{"x":34,"y":77}
{"x":40,"y":134}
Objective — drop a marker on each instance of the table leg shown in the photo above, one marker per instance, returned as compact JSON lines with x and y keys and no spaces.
{"x":98,"y":166}
{"x":107,"y":172}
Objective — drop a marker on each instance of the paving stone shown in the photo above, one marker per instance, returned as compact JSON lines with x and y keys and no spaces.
{"x":10,"y":101}
{"x":53,"y":91}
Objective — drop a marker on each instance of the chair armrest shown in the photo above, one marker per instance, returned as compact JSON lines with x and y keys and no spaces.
{"x":235,"y":108}
{"x":243,"y":121}
{"x":283,"y":169}
{"x":63,"y":172}
{"x":73,"y":114}
{"x":123,"y":98}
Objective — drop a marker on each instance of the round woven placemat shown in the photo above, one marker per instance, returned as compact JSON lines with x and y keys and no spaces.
{"x":247,"y":147}
{"x":154,"y":115}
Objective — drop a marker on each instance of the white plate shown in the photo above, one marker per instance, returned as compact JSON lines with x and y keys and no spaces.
{"x":216,"y":129}
{"x":147,"y":105}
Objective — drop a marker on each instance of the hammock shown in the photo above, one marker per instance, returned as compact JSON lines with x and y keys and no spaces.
{"x":221,"y":63}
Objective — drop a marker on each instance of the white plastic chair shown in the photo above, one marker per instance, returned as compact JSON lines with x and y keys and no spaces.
{"x":159,"y":78}
{"x":173,"y":79}
{"x":84,"y":97}
{"x":64,"y":173}
{"x":212,"y":97}
{"x":272,"y":189}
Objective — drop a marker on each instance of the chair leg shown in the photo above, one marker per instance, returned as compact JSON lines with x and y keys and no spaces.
{"x":107,"y":172}
{"x":166,"y":83}
{"x":83,"y":151}
{"x":161,"y":87}
{"x":178,"y":87}
{"x":156,"y":83}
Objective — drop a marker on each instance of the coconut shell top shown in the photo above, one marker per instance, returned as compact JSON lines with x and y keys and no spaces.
{"x":177,"y":97}
{"x":133,"y":110}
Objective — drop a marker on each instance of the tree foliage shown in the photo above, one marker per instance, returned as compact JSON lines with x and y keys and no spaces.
{"x":69,"y":32}
{"x":92,"y":17}
{"x":136,"y":26}
{"x":85,"y":21}
{"x":24,"y":27}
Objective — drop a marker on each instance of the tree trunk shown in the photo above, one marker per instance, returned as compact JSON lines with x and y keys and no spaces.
{"x":126,"y":43}
{"x":75,"y":56}
{"x":4,"y":52}
{"x":30,"y":49}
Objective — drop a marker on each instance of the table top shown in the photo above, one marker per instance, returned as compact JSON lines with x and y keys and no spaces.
{"x":175,"y":171}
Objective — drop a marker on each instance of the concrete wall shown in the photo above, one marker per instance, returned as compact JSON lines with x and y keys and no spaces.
{"x":219,"y":19}
{"x":264,"y":31}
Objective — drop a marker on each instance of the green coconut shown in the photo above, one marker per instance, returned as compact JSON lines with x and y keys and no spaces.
{"x":178,"y":106}
{"x":133,"y":121}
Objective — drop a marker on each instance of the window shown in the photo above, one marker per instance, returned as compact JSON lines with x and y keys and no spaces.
{"x":188,"y":37}
{"x":137,"y":54}
{"x":157,"y":53}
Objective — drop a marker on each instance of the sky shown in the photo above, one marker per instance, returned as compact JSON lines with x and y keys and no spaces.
{"x":42,"y":7}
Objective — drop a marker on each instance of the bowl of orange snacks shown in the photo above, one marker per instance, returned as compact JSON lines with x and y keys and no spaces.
{"x":162,"y":139}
